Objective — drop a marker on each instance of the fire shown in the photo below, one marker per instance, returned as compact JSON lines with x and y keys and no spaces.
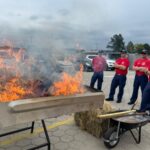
{"x":11,"y":85}
{"x":13,"y":90}
{"x":68,"y":84}
{"x":19,"y":83}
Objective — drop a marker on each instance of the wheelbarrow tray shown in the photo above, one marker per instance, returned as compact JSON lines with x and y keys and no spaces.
{"x":131,"y":122}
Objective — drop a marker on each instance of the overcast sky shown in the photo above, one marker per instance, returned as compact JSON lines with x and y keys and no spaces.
{"x":64,"y":23}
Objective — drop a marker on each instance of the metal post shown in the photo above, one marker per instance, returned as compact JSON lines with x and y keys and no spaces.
{"x":20,"y":130}
{"x":46,"y":134}
{"x":32,"y":127}
{"x":48,"y":144}
{"x":118,"y":129}
{"x":137,"y":140}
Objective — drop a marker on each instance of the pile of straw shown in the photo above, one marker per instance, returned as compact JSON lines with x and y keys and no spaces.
{"x":88,"y":120}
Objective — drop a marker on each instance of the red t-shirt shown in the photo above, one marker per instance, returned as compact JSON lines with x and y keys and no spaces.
{"x":140,"y":62}
{"x":125,"y":62}
{"x":148,"y":67}
{"x":98,"y":63}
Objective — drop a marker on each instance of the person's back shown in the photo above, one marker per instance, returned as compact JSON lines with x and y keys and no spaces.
{"x":98,"y":63}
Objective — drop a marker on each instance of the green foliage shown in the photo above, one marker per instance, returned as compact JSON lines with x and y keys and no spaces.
{"x":139,"y":47}
{"x":147,"y":47}
{"x":130,"y":47}
{"x":116,"y":43}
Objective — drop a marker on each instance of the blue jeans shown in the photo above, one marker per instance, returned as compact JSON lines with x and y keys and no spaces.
{"x":118,"y":80}
{"x":97,"y":76}
{"x":145,"y":103}
{"x":139,"y":81}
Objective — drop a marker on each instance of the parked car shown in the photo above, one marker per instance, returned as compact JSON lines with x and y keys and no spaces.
{"x":65,"y":66}
{"x":110,"y":64}
{"x":110,"y":60}
{"x":88,"y":62}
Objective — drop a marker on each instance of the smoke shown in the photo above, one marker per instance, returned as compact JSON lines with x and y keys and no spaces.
{"x":49,"y":35}
{"x":44,"y":55}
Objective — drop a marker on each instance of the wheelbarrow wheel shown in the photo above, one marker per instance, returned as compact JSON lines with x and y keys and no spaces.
{"x":110,"y":138}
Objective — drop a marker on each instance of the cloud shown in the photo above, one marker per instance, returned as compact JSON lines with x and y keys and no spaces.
{"x":86,"y":21}
{"x":64,"y":12}
{"x":34,"y":17}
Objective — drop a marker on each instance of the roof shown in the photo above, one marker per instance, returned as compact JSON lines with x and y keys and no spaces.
{"x":5,"y":48}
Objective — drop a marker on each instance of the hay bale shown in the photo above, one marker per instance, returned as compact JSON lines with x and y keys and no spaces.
{"x":88,"y":120}
{"x":81,"y":119}
{"x":107,"y":107}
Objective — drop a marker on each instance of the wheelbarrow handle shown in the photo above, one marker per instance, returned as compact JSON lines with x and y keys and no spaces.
{"x":116,"y":114}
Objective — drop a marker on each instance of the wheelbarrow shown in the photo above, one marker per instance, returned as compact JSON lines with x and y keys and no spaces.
{"x":120,"y":125}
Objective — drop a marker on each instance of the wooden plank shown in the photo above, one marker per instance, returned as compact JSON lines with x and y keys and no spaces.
{"x":22,"y":112}
{"x":53,"y":101}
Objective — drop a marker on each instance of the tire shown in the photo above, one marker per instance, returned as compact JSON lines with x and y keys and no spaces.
{"x":85,"y":68}
{"x":110,"y":140}
{"x":107,"y":68}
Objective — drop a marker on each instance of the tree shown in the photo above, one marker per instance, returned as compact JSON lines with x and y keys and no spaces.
{"x":130,"y":47}
{"x":139,"y":47}
{"x":147,"y":47}
{"x":116,"y":43}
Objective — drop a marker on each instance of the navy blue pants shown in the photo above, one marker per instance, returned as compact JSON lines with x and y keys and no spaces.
{"x":139,"y":81}
{"x":145,"y":103}
{"x":97,"y":76}
{"x":118,"y":80}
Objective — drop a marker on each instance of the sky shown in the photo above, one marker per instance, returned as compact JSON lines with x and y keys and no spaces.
{"x":61,"y":24}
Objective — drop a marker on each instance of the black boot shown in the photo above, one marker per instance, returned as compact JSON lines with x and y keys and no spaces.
{"x":109,"y":99}
{"x":119,"y":101}
{"x":130,"y":103}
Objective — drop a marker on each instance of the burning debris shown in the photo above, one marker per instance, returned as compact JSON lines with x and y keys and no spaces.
{"x":13,"y":89}
{"x":24,"y":76}
{"x":68,"y":85}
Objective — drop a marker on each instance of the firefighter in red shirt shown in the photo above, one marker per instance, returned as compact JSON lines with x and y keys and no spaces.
{"x":99,"y":65}
{"x":121,"y":68}
{"x":145,"y":103}
{"x":141,"y":78}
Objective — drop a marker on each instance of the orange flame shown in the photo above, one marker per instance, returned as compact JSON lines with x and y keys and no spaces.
{"x":11,"y":86}
{"x":14,"y":87}
{"x":13,"y":90}
{"x":68,"y":85}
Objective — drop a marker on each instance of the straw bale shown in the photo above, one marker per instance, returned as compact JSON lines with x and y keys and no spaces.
{"x":88,"y":120}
